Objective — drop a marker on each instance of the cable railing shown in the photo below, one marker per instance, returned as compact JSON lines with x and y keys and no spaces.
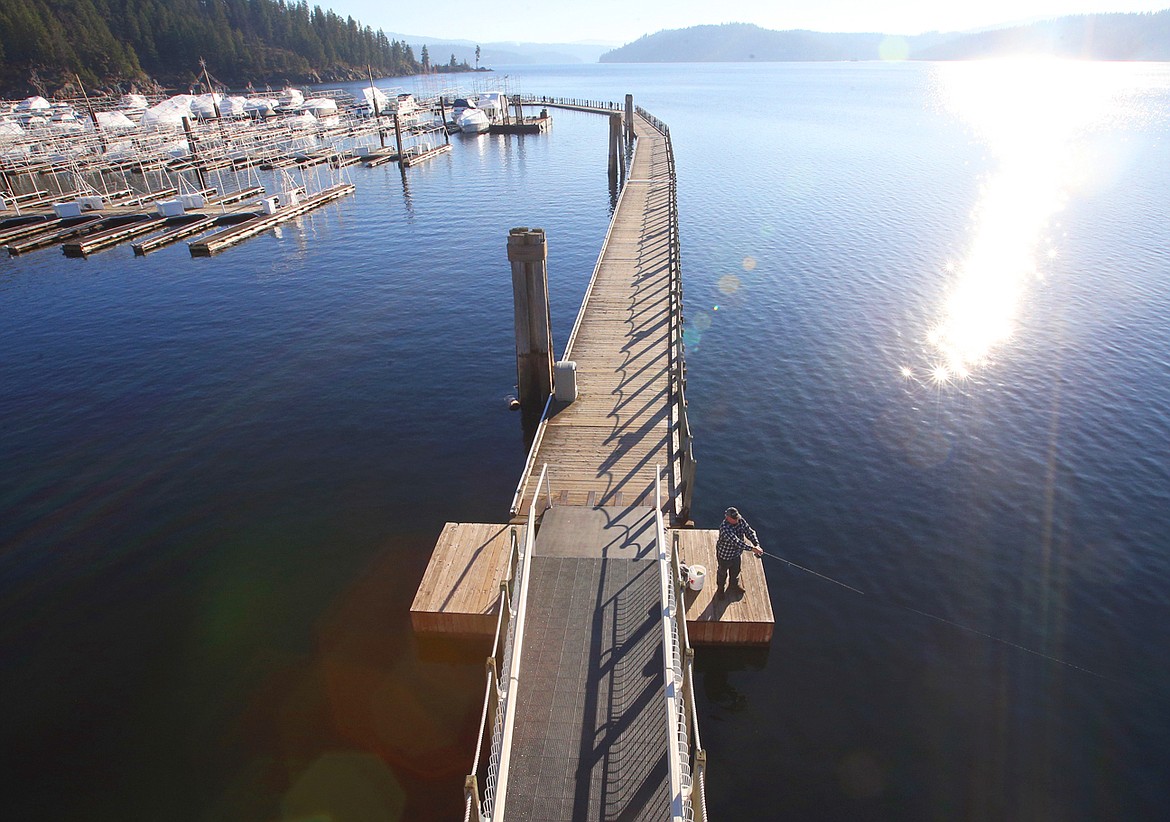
{"x":686,"y":759}
{"x":690,"y":748}
{"x":499,"y":707}
{"x":685,"y":483}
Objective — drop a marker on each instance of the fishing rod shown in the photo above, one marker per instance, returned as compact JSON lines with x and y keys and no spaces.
{"x":944,"y":620}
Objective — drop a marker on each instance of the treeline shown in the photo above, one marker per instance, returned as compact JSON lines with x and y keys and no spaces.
{"x":44,"y":43}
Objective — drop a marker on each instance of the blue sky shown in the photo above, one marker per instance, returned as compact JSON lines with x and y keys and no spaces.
{"x":620,"y":21}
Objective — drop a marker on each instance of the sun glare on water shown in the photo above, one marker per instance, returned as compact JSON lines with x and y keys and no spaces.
{"x":1032,"y":115}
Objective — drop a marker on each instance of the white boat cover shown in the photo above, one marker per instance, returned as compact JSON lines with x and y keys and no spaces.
{"x":204,"y":105}
{"x":233,"y":106}
{"x":133,"y":102}
{"x":168,"y":113}
{"x":291,"y":98}
{"x":369,"y":95}
{"x":32,"y":104}
{"x":114,"y":121}
{"x":321,"y":106}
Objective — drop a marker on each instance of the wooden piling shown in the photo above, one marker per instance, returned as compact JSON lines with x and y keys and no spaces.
{"x":398,"y":135}
{"x":616,"y":162}
{"x":191,"y":144}
{"x":629,"y":117}
{"x":528,"y":254}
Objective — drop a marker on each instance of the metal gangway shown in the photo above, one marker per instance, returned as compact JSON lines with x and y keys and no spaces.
{"x":602,"y":725}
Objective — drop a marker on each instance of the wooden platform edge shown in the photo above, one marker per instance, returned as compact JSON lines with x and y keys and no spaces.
{"x":459,"y":591}
{"x":745,"y":619}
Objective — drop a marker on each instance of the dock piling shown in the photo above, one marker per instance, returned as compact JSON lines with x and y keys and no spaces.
{"x":629,"y":117}
{"x":528,"y":254}
{"x":616,"y":162}
{"x":398,"y":137}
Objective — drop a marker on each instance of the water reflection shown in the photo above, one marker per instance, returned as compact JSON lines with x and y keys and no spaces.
{"x":1034,"y":116}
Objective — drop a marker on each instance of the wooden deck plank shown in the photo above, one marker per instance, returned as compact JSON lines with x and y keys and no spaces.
{"x":460,"y":586}
{"x":734,"y":620}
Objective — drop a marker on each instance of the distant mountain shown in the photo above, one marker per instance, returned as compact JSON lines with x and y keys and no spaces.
{"x":744,"y":42}
{"x":1090,"y":37}
{"x":1144,"y":36}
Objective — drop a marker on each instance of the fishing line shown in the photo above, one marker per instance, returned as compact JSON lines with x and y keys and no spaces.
{"x":946,"y":621}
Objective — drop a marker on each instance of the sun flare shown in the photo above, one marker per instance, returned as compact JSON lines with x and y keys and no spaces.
{"x":1032,"y":115}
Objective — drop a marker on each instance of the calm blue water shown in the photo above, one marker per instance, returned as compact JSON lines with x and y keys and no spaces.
{"x":222,"y":478}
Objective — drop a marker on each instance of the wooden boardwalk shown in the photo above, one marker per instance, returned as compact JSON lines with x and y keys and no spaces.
{"x":602,"y":448}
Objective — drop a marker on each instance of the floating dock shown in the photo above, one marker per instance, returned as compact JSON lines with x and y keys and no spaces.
{"x":460,"y":592}
{"x":529,"y":125}
{"x":414,"y":159}
{"x":262,"y":222}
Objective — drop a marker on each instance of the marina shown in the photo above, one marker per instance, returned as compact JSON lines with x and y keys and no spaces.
{"x":224,"y":477}
{"x":121,"y":173}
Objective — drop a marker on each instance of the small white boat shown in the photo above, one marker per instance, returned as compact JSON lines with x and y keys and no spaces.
{"x":372,"y":100}
{"x":493,"y":104}
{"x":260,"y":107}
{"x":233,"y":107}
{"x":290,"y":99}
{"x":320,"y":106}
{"x":206,"y":106}
{"x":473,"y":121}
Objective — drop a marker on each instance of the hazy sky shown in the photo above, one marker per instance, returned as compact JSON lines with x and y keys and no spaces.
{"x":620,"y":21}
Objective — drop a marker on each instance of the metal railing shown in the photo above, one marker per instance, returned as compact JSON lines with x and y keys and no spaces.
{"x":684,"y":456}
{"x":690,"y":748}
{"x":685,"y":485}
{"x":571,"y":102}
{"x":499,"y":706}
{"x":686,"y":759}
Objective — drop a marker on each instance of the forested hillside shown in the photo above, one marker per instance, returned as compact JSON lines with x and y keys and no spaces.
{"x":119,"y":42}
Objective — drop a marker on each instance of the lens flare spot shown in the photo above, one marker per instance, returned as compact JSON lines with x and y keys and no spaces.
{"x":729,"y":284}
{"x":700,"y":323}
{"x":749,"y":263}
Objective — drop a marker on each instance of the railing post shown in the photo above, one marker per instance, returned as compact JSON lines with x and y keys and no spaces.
{"x":699,"y":787}
{"x":472,"y":810}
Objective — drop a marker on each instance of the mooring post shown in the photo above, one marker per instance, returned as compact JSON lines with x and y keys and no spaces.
{"x":398,"y":137}
{"x":528,"y":254}
{"x":629,"y":116}
{"x":615,"y":145}
{"x":194,"y":153}
{"x":443,"y":114}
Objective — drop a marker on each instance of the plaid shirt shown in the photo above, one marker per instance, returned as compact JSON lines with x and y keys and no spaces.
{"x":734,"y":539}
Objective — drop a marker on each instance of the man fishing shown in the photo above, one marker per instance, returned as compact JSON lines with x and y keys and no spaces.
{"x":735,"y":537}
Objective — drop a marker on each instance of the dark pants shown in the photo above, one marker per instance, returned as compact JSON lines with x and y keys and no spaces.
{"x":729,"y":566}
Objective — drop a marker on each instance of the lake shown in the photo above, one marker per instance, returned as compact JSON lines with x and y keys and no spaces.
{"x":927,"y":335}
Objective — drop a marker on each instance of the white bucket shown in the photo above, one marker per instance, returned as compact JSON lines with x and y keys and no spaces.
{"x":696,"y":576}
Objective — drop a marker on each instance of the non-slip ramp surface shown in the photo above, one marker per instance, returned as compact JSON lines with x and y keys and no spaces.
{"x":590,"y":739}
